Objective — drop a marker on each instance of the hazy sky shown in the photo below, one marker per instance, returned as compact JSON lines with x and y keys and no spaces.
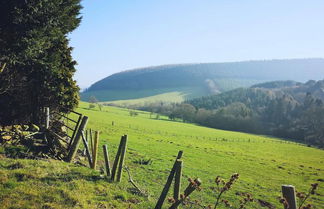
{"x":117,"y":35}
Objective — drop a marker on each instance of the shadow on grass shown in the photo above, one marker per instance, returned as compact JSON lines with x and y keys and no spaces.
{"x":68,"y":177}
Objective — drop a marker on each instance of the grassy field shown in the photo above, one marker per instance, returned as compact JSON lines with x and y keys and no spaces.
{"x":53,"y":184}
{"x":264,"y":164}
{"x":146,"y":95}
{"x":166,"y":97}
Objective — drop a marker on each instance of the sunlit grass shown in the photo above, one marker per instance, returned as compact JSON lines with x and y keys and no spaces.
{"x":264,"y":164}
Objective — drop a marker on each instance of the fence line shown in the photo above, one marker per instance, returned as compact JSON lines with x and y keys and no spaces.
{"x":91,"y":144}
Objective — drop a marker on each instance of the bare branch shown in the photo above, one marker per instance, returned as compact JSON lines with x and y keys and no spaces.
{"x":130,"y":179}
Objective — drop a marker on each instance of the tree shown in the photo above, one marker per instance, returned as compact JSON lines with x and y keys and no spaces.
{"x":35,"y":58}
{"x":93,"y":99}
{"x":184,"y":111}
{"x":202,"y":115}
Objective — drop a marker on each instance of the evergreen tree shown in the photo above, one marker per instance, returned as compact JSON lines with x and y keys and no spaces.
{"x":35,"y":58}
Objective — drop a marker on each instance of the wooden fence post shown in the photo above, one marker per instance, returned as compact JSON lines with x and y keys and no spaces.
{"x":95,"y":150}
{"x":85,"y":143}
{"x":47,"y":117}
{"x":191,"y":187}
{"x":177,"y":182}
{"x":85,"y":138}
{"x":114,"y":168}
{"x":75,"y":144}
{"x":288,"y":192}
{"x":75,"y":130}
{"x":122,"y":159}
{"x":168,"y":183}
{"x":106,"y":155}
{"x":91,"y":140}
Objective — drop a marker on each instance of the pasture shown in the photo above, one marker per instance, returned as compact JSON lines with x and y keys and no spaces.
{"x":264,"y":163}
{"x":140,"y":96}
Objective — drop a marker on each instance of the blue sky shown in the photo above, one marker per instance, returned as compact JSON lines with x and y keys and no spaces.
{"x":125,"y":34}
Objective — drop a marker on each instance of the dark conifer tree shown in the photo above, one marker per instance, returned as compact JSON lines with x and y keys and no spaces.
{"x":36,"y":66}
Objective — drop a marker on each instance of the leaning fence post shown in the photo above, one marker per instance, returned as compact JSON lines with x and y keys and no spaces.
{"x":191,"y":187}
{"x":122,"y":159}
{"x":95,"y":150}
{"x":114,"y":168}
{"x":106,"y":155}
{"x":177,"y":182}
{"x":168,"y":183}
{"x":85,"y":143}
{"x":85,"y":135}
{"x":91,"y":140}
{"x":75,"y":130}
{"x":288,"y":192}
{"x":76,"y":141}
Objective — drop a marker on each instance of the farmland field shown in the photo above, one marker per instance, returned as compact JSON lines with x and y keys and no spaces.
{"x":264,"y":163}
{"x":145,"y":95}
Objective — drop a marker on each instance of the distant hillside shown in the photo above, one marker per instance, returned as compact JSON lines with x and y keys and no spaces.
{"x":282,"y":108}
{"x":262,"y":94}
{"x":296,"y":89}
{"x":201,"y":79}
{"x":276,"y":84}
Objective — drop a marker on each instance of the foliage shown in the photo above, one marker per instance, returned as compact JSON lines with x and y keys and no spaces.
{"x":184,"y":75}
{"x":209,"y":78}
{"x":91,"y":106}
{"x":277,"y":84}
{"x":282,"y":112}
{"x":93,"y":102}
{"x":93,"y":99}
{"x":133,"y":113}
{"x":35,"y":48}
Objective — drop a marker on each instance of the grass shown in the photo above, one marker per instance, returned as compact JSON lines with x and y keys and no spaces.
{"x":166,"y":97}
{"x":54,"y":184}
{"x":145,"y":95}
{"x":264,"y":164}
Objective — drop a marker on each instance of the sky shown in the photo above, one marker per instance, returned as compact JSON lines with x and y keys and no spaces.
{"x":118,"y":35}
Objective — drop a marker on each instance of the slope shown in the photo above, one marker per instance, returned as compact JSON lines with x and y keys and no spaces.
{"x":209,"y":78}
{"x":264,"y":164}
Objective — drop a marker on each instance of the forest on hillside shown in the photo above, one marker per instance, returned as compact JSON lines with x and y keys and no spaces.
{"x":285,"y":109}
{"x":211,"y":78}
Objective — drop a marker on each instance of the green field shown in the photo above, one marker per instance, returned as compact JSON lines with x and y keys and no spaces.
{"x":264,"y":164}
{"x":166,"y":97}
{"x":146,"y":95}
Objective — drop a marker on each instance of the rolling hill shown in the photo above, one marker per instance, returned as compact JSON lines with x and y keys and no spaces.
{"x":187,"y":81}
{"x":264,"y":164}
{"x":263,"y":93}
{"x":281,"y":108}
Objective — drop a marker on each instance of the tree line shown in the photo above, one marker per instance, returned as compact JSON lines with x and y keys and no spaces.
{"x":254,"y":110}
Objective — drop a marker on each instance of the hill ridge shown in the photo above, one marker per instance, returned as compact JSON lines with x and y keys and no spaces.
{"x":209,"y":78}
{"x":199,"y":63}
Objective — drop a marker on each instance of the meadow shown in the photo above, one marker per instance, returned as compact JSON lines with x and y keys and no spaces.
{"x":140,"y":96}
{"x":264,"y":164}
